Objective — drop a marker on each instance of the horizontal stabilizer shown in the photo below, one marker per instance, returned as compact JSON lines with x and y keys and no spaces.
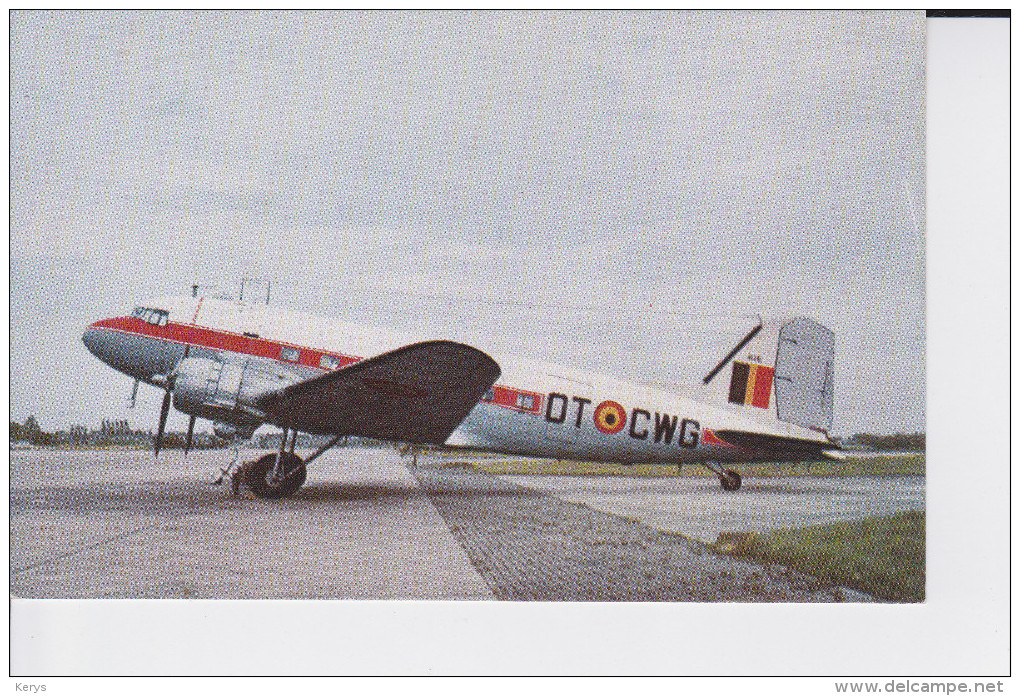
{"x":783,"y":448}
{"x":419,"y":393}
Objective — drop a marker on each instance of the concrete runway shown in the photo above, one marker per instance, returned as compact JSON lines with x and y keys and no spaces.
{"x":699,"y":509}
{"x":121,"y":524}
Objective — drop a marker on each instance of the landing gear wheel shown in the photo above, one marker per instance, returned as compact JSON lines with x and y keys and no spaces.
{"x":730,"y":480}
{"x":259,"y":476}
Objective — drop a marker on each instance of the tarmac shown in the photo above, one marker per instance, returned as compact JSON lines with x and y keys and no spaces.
{"x":368,"y":525}
{"x":105,"y":524}
{"x":699,"y":509}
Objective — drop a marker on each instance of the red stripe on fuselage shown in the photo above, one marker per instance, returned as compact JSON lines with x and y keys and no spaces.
{"x":216,"y":339}
{"x":189,"y":334}
{"x":516,"y":399}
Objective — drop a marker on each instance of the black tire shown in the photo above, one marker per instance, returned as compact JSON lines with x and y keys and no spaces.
{"x":258,"y":474}
{"x":730,"y":480}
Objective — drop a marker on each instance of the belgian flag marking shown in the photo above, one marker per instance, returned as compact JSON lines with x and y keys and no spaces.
{"x":751,"y":385}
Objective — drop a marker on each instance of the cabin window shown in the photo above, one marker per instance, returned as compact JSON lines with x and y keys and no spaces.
{"x":525,"y":401}
{"x":291,"y":354}
{"x":329,"y":362}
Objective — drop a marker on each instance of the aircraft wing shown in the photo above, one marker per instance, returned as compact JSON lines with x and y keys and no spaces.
{"x":784,"y":448}
{"x":419,"y":393}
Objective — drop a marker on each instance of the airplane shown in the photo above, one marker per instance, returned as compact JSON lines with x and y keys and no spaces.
{"x":770,"y":399}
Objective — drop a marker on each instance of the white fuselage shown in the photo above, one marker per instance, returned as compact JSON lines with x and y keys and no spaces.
{"x":534,"y":409}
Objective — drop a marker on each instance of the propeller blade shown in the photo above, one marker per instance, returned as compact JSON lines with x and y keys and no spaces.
{"x":191,"y":432}
{"x":163,"y":413}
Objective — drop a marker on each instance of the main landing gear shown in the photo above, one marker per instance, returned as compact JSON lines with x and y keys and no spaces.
{"x":729,"y":479}
{"x":268,"y":478}
{"x":278,"y":475}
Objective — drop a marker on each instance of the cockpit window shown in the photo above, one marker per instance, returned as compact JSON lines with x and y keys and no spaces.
{"x":159,"y":317}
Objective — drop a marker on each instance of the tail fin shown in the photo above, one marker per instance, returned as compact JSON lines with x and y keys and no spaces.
{"x":779,"y":371}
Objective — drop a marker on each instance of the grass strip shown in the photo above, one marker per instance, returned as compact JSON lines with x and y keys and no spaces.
{"x":883,"y":556}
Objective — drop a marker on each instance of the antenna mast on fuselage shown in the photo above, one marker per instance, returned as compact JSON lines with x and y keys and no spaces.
{"x":268,"y":283}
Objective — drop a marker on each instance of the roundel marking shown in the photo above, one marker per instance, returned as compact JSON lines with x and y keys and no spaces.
{"x":610,"y":417}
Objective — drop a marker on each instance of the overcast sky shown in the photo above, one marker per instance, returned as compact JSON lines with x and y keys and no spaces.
{"x":611,"y":191}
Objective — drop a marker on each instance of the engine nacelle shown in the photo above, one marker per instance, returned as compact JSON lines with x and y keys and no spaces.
{"x":225,"y":391}
{"x":228,"y":432}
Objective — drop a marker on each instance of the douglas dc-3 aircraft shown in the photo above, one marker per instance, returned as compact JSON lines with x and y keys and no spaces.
{"x":242,"y":365}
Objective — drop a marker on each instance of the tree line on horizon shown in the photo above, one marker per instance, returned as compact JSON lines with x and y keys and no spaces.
{"x":898,"y":442}
{"x":29,"y":431}
{"x":78,"y":435}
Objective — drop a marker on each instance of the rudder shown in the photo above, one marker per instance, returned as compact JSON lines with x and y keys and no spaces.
{"x":803,"y":374}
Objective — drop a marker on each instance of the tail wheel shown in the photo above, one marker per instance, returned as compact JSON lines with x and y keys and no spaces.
{"x":259,"y":476}
{"x":730,"y":480}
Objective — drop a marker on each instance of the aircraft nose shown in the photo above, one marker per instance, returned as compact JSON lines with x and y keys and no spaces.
{"x":93,"y":341}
